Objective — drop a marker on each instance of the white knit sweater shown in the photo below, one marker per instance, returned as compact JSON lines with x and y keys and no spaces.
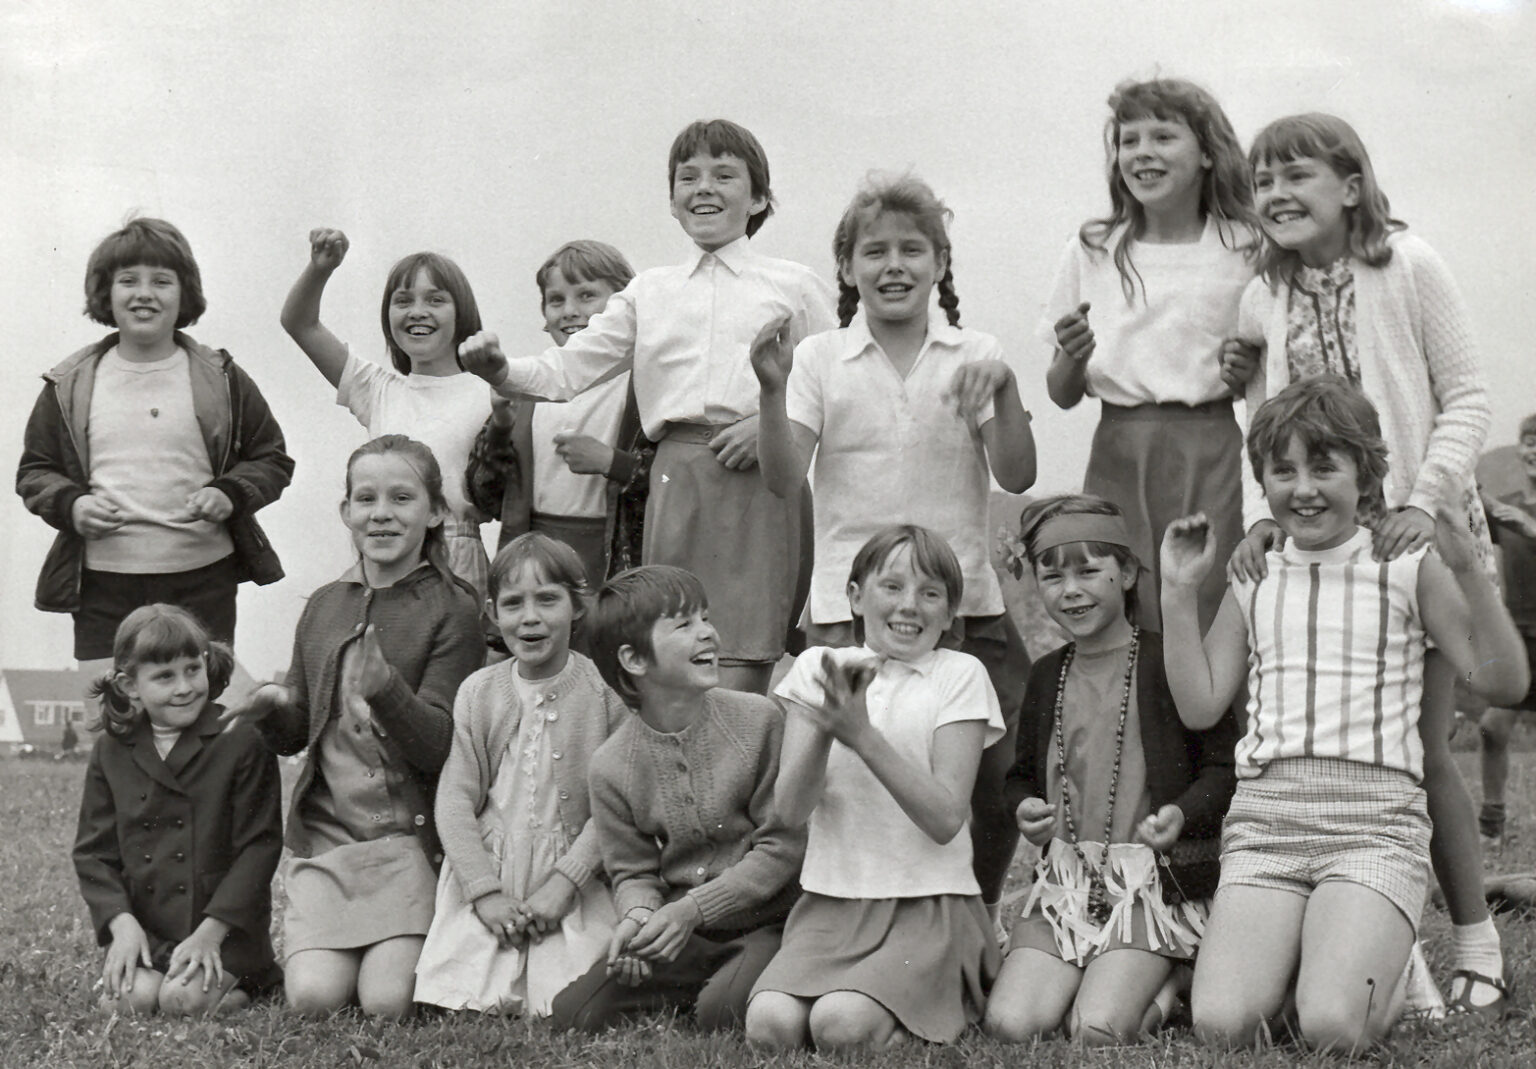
{"x":1418,"y":364}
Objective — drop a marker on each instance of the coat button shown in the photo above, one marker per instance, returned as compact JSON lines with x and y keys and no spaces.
{"x":178,"y":822}
{"x":181,"y":888}
{"x":180,"y":856}
{"x":420,"y":820}
{"x":563,"y":796}
{"x":556,"y":755}
{"x":701,"y":870}
{"x":147,"y":859}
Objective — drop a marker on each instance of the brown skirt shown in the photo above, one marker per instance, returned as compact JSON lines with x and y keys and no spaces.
{"x":928,"y":961}
{"x":736,"y":535}
{"x":1162,"y":462}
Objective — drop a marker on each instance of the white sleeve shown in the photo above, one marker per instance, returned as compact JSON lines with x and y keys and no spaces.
{"x":605,"y":349}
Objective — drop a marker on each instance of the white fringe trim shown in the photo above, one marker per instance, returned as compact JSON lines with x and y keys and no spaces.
{"x":1060,"y":895}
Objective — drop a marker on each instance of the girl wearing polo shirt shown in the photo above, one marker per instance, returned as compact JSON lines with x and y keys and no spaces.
{"x":906,"y":418}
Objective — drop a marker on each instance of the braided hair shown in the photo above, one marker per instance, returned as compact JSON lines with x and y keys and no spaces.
{"x":905,"y":195}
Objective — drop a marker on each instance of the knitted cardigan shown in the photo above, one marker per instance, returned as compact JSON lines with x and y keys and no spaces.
{"x":691,"y":812}
{"x":1418,"y":364}
{"x":582,"y":711}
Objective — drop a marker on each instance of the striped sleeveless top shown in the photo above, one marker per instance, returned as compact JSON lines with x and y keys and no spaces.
{"x":1336,"y":658}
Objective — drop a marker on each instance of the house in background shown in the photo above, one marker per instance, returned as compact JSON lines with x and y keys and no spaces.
{"x":35,"y":704}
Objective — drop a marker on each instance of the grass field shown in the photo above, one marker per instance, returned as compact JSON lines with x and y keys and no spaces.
{"x":49,"y":1016}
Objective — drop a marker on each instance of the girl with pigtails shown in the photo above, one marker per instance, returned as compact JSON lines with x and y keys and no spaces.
{"x":909,"y":421}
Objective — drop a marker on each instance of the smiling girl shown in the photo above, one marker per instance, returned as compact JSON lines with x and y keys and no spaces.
{"x":149,"y":453}
{"x":881,"y":749}
{"x":522,"y":909}
{"x":428,"y":309}
{"x":1124,"y":802}
{"x":1144,"y":300}
{"x":909,"y":420}
{"x":1345,"y":292}
{"x":377,"y":658}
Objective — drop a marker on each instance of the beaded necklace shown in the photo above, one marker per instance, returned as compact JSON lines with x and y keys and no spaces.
{"x":1098,"y":894}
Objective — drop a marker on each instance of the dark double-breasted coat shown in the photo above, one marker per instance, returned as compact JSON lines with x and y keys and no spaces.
{"x":196,"y":834}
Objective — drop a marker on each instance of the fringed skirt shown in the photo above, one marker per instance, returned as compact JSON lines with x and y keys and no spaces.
{"x":1057,"y":919}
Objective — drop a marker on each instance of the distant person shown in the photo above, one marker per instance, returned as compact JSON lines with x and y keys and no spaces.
{"x":909,"y":421}
{"x":1124,"y":802}
{"x":427,"y":310}
{"x":1322,"y":854}
{"x":1345,"y":292}
{"x":891,"y":939}
{"x":575,"y":471}
{"x":702,"y":865}
{"x":522,"y":906}
{"x":1144,"y":300}
{"x":377,"y":658}
{"x":150,"y":453}
{"x":69,"y":740}
{"x":180,"y":826}
{"x":1513,"y":527}
{"x":686,"y":332}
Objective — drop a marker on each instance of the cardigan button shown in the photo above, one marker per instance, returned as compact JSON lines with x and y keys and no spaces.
{"x":564,"y":795}
{"x":420,"y":820}
{"x":556,"y":755}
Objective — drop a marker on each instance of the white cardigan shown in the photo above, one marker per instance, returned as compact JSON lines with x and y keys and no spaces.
{"x":1418,"y":365}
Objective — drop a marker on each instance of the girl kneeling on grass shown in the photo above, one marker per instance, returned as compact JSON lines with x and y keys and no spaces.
{"x":1123,"y":800}
{"x":180,"y":826}
{"x":377,"y":658}
{"x":880,"y":752}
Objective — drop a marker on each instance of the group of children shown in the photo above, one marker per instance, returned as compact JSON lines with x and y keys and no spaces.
{"x":615,"y":818}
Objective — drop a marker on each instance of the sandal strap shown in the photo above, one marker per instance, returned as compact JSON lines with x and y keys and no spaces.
{"x":1499,"y":984}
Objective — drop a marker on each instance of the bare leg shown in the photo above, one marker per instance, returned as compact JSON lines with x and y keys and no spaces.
{"x":1117,"y":988}
{"x":778,"y":1021}
{"x":1453,"y":847}
{"x":143,"y":997}
{"x":386,"y":978}
{"x":1494,"y":729}
{"x":185,"y":997}
{"x":320,"y":982}
{"x":1354,"y":945}
{"x":841,"y":1020}
{"x":1031,"y":996}
{"x":1247,"y":963}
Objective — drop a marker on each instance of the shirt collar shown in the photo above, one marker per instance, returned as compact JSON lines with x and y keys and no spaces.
{"x":861,"y":341}
{"x":734,"y":256}
{"x":355,"y":576}
{"x":923,"y":666}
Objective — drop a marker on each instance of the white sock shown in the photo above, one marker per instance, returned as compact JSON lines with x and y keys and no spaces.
{"x":1421,"y":998}
{"x":1477,"y":948}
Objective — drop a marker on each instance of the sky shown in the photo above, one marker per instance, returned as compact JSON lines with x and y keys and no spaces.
{"x":495,"y":132}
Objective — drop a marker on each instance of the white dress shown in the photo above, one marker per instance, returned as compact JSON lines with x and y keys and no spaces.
{"x":461,"y":966}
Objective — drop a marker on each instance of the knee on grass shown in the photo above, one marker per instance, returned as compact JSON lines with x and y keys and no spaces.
{"x":190,"y":1000}
{"x":1107,"y":1026}
{"x":143,"y":998}
{"x":847,"y":1021}
{"x":316,"y":996}
{"x":777,"y":1021}
{"x":1018,"y":1023}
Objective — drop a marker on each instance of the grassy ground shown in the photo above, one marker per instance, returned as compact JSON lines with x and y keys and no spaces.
{"x":49,"y":1017}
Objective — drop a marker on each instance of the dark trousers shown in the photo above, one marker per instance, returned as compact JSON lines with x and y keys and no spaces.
{"x":208,"y":593}
{"x":713,"y":977}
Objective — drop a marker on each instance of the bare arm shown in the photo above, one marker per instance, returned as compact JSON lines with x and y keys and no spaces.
{"x":1009,"y":441}
{"x":301,"y":311}
{"x":1203,"y":676}
{"x":784,"y":447}
{"x":802,"y":766}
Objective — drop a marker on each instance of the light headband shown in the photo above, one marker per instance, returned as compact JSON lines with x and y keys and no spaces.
{"x":1079,"y":527}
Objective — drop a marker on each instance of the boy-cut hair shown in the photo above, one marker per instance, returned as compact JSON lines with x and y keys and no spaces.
{"x":143,"y":241}
{"x":1325,"y":414}
{"x":586,"y":261}
{"x":721,"y":137}
{"x":931,"y":555}
{"x":627,"y":608}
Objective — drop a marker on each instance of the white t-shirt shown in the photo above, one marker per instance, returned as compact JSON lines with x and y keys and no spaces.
{"x":860,"y":843}
{"x":1164,"y":345}
{"x":557,"y":490}
{"x":148,"y":456}
{"x":442,"y":412}
{"x":892,"y":450}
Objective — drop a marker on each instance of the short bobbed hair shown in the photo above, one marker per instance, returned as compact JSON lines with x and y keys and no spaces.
{"x":931,"y":555}
{"x":721,"y":137}
{"x":143,"y":241}
{"x":448,"y":276}
{"x":625,"y":612}
{"x":1325,"y":414}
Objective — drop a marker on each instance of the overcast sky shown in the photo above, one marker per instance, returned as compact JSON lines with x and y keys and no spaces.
{"x":495,"y":132}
